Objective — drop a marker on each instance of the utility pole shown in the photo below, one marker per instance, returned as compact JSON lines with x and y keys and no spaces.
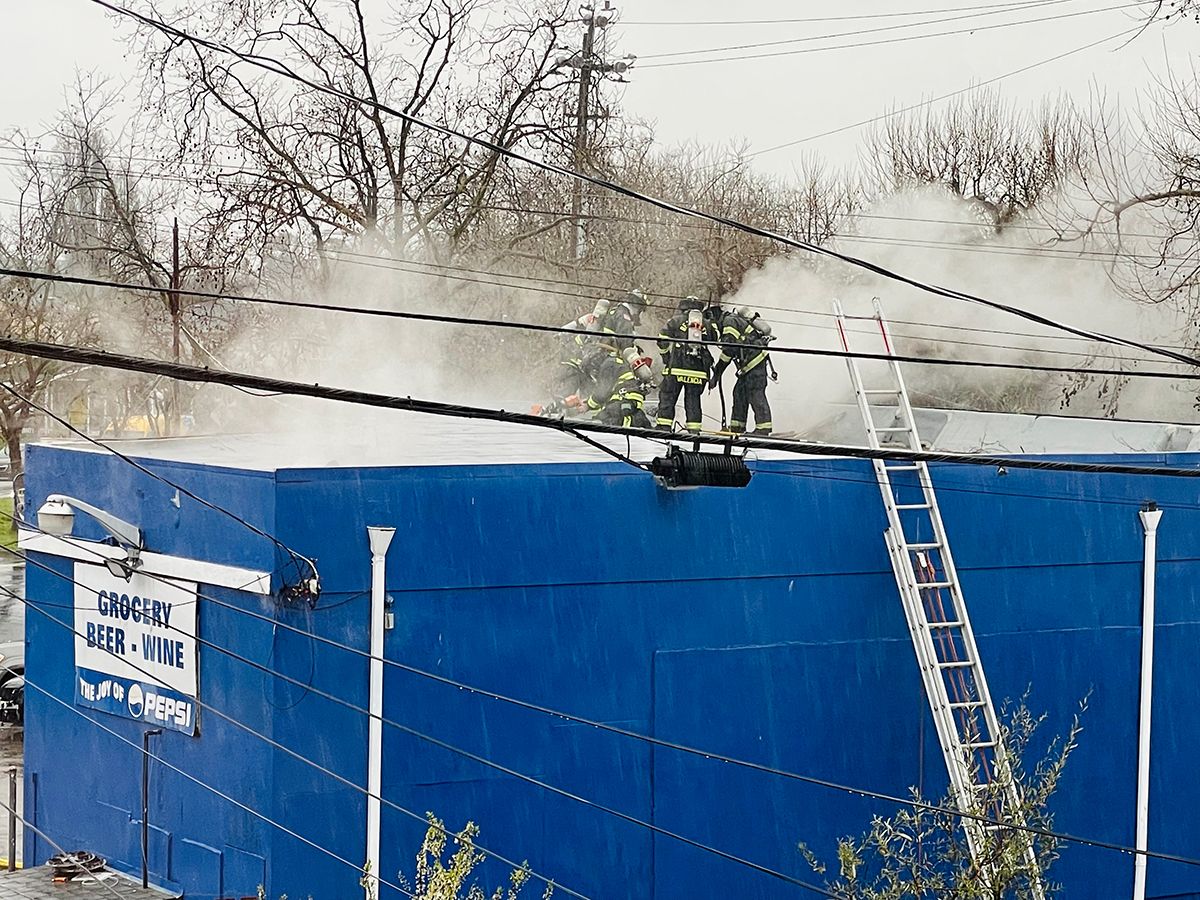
{"x":588,"y":64}
{"x":173,"y":306}
{"x":581,"y":132}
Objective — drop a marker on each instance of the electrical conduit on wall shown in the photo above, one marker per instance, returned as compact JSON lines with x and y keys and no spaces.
{"x":380,"y":539}
{"x":1149,"y":516}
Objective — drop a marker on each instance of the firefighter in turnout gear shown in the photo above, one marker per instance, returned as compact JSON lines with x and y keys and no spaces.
{"x":579,"y":381}
{"x":619,"y":397}
{"x":607,"y":328}
{"x":574,"y":376}
{"x":622,"y":319}
{"x":686,"y":366}
{"x":744,"y":340}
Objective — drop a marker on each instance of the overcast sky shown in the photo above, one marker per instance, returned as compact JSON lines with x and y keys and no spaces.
{"x":765,"y":101}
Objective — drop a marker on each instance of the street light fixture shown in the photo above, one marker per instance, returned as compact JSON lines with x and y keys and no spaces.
{"x":57,"y":517}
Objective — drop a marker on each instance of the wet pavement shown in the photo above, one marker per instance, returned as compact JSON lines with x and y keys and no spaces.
{"x":11,"y":756}
{"x":12,"y":611}
{"x":39,"y":884}
{"x":12,"y":628}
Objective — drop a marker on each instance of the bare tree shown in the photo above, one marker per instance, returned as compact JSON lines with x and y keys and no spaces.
{"x":106,"y":211}
{"x":33,"y":310}
{"x":630,"y":243}
{"x":981,"y":149}
{"x":289,"y":157}
{"x":1157,"y":186}
{"x":1174,"y":10}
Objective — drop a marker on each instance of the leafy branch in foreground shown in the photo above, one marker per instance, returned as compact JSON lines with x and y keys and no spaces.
{"x":923,"y":852}
{"x":441,"y":878}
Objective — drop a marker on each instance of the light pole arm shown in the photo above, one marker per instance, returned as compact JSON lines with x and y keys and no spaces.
{"x":129,"y":535}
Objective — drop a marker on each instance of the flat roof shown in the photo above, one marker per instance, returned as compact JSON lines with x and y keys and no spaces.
{"x":413,"y":439}
{"x":974,"y":431}
{"x":394,"y":439}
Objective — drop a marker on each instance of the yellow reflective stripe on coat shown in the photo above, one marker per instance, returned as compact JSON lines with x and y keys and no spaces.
{"x":753,"y":363}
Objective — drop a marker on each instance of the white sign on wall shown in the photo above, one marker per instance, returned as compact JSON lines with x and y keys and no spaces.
{"x":135,"y":647}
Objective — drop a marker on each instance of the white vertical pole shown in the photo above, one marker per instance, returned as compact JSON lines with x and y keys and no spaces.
{"x":1149,"y":516}
{"x":379,"y":539}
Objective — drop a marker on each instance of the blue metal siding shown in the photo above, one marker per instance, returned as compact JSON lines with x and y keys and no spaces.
{"x":761,"y":623}
{"x":88,"y":782}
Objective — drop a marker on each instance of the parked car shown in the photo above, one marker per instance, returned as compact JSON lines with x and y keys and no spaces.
{"x":12,"y":683}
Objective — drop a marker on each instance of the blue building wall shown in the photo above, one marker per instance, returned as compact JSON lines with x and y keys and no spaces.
{"x":761,"y":623}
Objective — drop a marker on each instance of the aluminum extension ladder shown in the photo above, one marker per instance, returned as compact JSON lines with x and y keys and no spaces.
{"x":981,"y":779}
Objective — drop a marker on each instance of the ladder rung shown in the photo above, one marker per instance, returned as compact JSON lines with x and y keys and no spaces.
{"x":901,"y":468}
{"x":968,"y":704}
{"x":954,"y":624}
{"x":924,"y":585}
{"x":979,"y":745}
{"x":893,"y":391}
{"x":912,"y":506}
{"x":894,"y":429}
{"x":957,"y":664}
{"x":927,"y":545}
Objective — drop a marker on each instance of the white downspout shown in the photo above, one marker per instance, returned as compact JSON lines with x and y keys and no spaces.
{"x":379,"y":539}
{"x":1149,"y":516}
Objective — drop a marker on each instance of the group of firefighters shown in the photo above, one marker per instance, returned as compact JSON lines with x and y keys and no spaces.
{"x":606,"y":373}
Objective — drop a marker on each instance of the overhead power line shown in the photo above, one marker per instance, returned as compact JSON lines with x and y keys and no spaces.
{"x":944,"y":484}
{"x":535,"y":283}
{"x":183,"y":372}
{"x":295,"y":557}
{"x":1061,"y":249}
{"x":201,"y":180}
{"x":881,"y":42}
{"x":362,"y":872}
{"x":975,"y":14}
{"x":445,"y":319}
{"x":450,"y":748}
{"x":276,"y":67}
{"x":76,"y":863}
{"x":283,"y":748}
{"x":966,"y":90}
{"x":709,"y":755}
{"x":574,"y":288}
{"x":813,"y":19}
{"x":1086,"y":348}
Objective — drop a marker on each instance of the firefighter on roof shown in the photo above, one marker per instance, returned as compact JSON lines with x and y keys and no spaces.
{"x":574,"y":376}
{"x":605,"y":331}
{"x":620,"y":394}
{"x":744,"y":340}
{"x":623,"y":317}
{"x":686,"y":366}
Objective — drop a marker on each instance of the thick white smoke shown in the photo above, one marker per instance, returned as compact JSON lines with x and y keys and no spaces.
{"x":942,"y":240}
{"x":458,"y":364}
{"x":926,"y":235}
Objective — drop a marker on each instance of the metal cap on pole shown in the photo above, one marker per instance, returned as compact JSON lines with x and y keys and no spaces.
{"x":380,"y":538}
